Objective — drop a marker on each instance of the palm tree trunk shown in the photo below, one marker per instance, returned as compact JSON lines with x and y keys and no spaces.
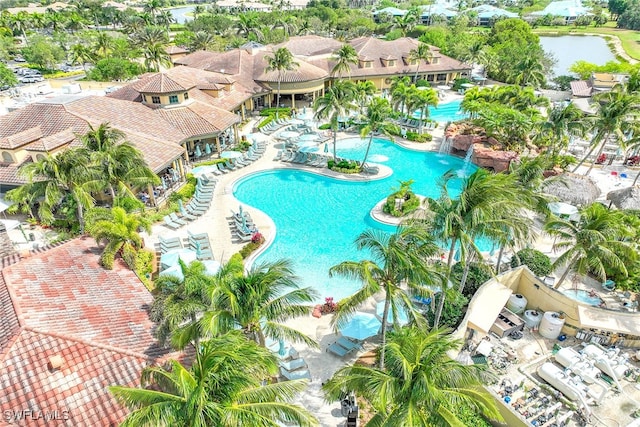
{"x":597,"y":155}
{"x":385,"y":313}
{"x":366,"y":153}
{"x":436,"y":321}
{"x":113,"y":193}
{"x":593,"y":147}
{"x":80,"y":213}
{"x":566,"y":272}
{"x":500,"y":253}
{"x":636,"y":180}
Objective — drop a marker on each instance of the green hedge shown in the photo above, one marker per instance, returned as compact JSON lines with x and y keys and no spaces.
{"x":186,"y":192}
{"x":418,"y":137}
{"x":282,"y":112}
{"x":344,"y":166}
{"x":411,"y":204}
{"x":538,"y":263}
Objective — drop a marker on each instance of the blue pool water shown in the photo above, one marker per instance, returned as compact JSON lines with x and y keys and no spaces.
{"x":318,"y":218}
{"x":583,"y":296}
{"x":448,"y":112}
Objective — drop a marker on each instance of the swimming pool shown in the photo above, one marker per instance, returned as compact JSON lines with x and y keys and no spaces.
{"x":583,"y":296}
{"x":447,"y":112}
{"x":318,"y":217}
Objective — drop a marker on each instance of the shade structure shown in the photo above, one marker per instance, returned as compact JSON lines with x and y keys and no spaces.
{"x":175,"y":271}
{"x":403,"y":319}
{"x":561,"y":208}
{"x":171,"y":258}
{"x":4,"y":204}
{"x":289,"y":134}
{"x":308,"y":137}
{"x":207,"y":148}
{"x":198,"y":151}
{"x":572,"y":188}
{"x":230,"y":154}
{"x":625,"y":198}
{"x":211,"y":267}
{"x":361,"y":326}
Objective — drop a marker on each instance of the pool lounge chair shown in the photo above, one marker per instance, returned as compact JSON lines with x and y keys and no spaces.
{"x":293,"y":364}
{"x":338,"y":350}
{"x":171,"y":223}
{"x":168,"y":244}
{"x":295,"y":375}
{"x":174,"y":217}
{"x":188,"y":215}
{"x":348,"y":344}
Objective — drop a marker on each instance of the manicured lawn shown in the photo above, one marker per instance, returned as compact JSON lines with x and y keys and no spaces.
{"x":630,"y":39}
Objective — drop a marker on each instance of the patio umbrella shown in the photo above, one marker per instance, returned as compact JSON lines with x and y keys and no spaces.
{"x":198,"y":249}
{"x":402,"y":315}
{"x":326,"y":148}
{"x":175,"y":270}
{"x":169,"y":259}
{"x":230,"y":154}
{"x":198,"y":152}
{"x":572,"y":188}
{"x":361,"y":326}
{"x":625,"y":198}
{"x":211,"y":267}
{"x":174,"y":173}
{"x":181,"y":208}
{"x":561,"y":208}
{"x":207,"y":148}
{"x":164,"y":183}
{"x":282,"y":348}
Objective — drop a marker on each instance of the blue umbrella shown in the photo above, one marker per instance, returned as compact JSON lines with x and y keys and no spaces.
{"x":171,"y":258}
{"x":240,"y":211}
{"x":175,"y":271}
{"x":282,"y":348}
{"x":403,"y":319}
{"x":361,"y":326}
{"x":174,"y":173}
{"x":198,"y":249}
{"x":326,"y":148}
{"x":207,"y":148}
{"x":231,"y":154}
{"x":198,"y":152}
{"x":183,"y":211}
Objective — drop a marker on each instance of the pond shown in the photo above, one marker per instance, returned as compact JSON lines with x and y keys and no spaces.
{"x":569,"y":49}
{"x":180,"y":14}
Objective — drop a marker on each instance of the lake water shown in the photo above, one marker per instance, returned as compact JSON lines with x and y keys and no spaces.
{"x":180,"y":14}
{"x":569,"y":49}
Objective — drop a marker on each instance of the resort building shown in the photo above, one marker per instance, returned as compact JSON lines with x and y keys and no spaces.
{"x":69,"y":329}
{"x":436,"y":10}
{"x":487,"y":14}
{"x":598,"y":82}
{"x":567,"y":9}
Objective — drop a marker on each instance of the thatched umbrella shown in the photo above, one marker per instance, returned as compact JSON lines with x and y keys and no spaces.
{"x":572,"y":188}
{"x":626,"y":198}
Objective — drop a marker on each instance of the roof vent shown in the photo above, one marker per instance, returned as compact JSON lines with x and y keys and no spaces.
{"x":55,"y":363}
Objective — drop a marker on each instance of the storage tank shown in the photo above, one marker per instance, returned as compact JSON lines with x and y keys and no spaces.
{"x":558,"y":379}
{"x":517,"y":303}
{"x":532,"y":319}
{"x":609,"y":362}
{"x":579,"y":365}
{"x":551,"y":325}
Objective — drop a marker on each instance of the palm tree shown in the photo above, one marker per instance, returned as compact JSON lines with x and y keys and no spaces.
{"x":420,"y":53}
{"x":486,"y":207}
{"x":19,"y":23}
{"x":421,"y":386}
{"x":256,"y":303}
{"x":616,"y":116}
{"x":248,"y":24}
{"x":364,"y":90}
{"x":104,"y":43}
{"x":198,"y":10}
{"x":399,"y":90}
{"x":422,"y":100}
{"x":121,"y":165}
{"x":397,"y":259}
{"x":344,"y":57}
{"x":153,"y":7}
{"x":592,"y":243}
{"x":201,"y":40}
{"x":165,"y":19}
{"x":179,"y":301}
{"x":81,"y":54}
{"x":156,"y":56}
{"x":337,"y":101}
{"x":529,"y":71}
{"x":281,"y":61}
{"x":378,"y":112}
{"x":119,"y":230}
{"x":54,"y":177}
{"x":224,"y":387}
{"x":407,"y":22}
{"x":562,"y":123}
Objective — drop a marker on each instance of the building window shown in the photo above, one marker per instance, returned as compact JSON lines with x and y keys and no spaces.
{"x":429,"y":77}
{"x":186,"y":96}
{"x":7,"y":157}
{"x":173,"y":99}
{"x":442,"y":77}
{"x":434,"y":60}
{"x":155,"y":99}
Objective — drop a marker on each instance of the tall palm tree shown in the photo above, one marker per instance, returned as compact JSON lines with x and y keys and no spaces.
{"x":378,"y":113}
{"x":421,"y":53}
{"x":337,"y":101}
{"x":281,"y":61}
{"x":485,"y":207}
{"x":529,"y":71}
{"x":153,"y":7}
{"x":19,"y":24}
{"x":422,"y":100}
{"x":407,"y":22}
{"x":593,"y":243}
{"x":156,"y":56}
{"x":562,"y":123}
{"x":120,"y":164}
{"x":344,"y":57}
{"x":81,"y":54}
{"x":54,"y":177}
{"x":201,"y":40}
{"x":103,"y":44}
{"x":363,"y":93}
{"x":256,"y":303}
{"x":421,"y":385}
{"x":224,"y":387}
{"x":179,"y":301}
{"x":617,"y":115}
{"x":118,"y":229}
{"x":165,"y":19}
{"x":399,"y":91}
{"x":397,"y":260}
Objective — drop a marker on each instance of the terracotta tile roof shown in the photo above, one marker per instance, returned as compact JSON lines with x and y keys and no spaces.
{"x":21,"y":138}
{"x":9,"y":172}
{"x":175,"y":50}
{"x":64,"y":291}
{"x":51,"y":142}
{"x":159,"y":83}
{"x":220,"y":62}
{"x":198,"y":118}
{"x":9,"y":324}
{"x":581,"y":88}
{"x":304,"y":72}
{"x":50,"y":118}
{"x":78,"y":390}
{"x":126,"y":93}
{"x":310,"y":45}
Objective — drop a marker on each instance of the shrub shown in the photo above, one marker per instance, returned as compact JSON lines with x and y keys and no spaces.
{"x":325,"y":126}
{"x":282,"y":112}
{"x":452,"y":311}
{"x":143,"y":266}
{"x":186,"y":192}
{"x":329,"y":306}
{"x":538,"y":263}
{"x":256,"y":241}
{"x":418,"y":137}
{"x":236,"y":260}
{"x":478,"y":274}
{"x":344,"y":166}
{"x":457,"y":84}
{"x":410,"y":202}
